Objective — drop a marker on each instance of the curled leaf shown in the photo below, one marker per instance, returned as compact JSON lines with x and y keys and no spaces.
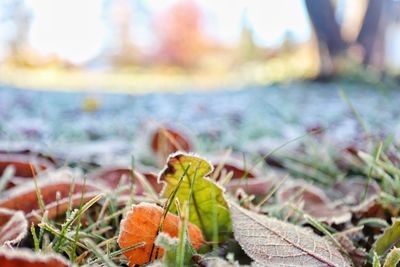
{"x":255,"y":186}
{"x":315,"y":202}
{"x":270,"y":242}
{"x":352,"y":191}
{"x":54,"y":187}
{"x":207,"y":205}
{"x":370,"y":208}
{"x":13,"y":227}
{"x":22,"y":160}
{"x":358,"y":255}
{"x":26,"y":258}
{"x":165,"y":141}
{"x":235,"y":166}
{"x":141,"y":224}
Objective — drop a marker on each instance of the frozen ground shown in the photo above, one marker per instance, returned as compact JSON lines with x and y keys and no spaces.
{"x":248,"y":119}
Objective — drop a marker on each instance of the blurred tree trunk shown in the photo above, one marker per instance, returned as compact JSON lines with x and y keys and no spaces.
{"x":369,"y":30}
{"x":327,"y":30}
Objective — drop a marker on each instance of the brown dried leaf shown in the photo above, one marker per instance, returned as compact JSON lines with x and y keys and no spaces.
{"x":370,"y":208}
{"x":352,"y":191}
{"x":358,"y":255}
{"x":234,"y":165}
{"x":165,"y":141}
{"x":13,"y":227}
{"x":27,"y":258}
{"x":255,"y":186}
{"x":270,"y":242}
{"x":315,"y":202}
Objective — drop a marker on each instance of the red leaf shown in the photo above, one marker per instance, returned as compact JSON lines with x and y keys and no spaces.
{"x":24,"y":197}
{"x":165,"y":141}
{"x":13,"y":227}
{"x":26,"y":258}
{"x":22,"y":160}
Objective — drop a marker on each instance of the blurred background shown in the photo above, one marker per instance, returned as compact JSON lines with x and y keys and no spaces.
{"x":65,"y":63}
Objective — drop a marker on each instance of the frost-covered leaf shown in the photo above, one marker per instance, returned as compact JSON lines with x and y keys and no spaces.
{"x":207,"y":204}
{"x":55,"y":187}
{"x":22,"y":161}
{"x":393,"y":258}
{"x":270,"y":242}
{"x":370,"y":208}
{"x":358,"y":255}
{"x":165,"y":141}
{"x":352,"y":190}
{"x":255,"y":186}
{"x":315,"y":202}
{"x":26,"y":258}
{"x":141,"y":225}
{"x":389,"y":239}
{"x":13,"y":227}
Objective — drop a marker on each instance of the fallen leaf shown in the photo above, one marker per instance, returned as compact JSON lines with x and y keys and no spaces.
{"x":141,"y":225}
{"x":316,"y":202}
{"x":270,"y":242}
{"x":13,"y":227}
{"x":207,"y":204}
{"x":22,"y":161}
{"x":57,"y":208}
{"x":27,"y":258}
{"x":352,"y":191}
{"x":389,"y":239}
{"x":358,"y":255}
{"x":112,"y":177}
{"x":235,"y":166}
{"x":255,"y":186}
{"x":54,"y":187}
{"x":370,"y":208}
{"x":165,"y":141}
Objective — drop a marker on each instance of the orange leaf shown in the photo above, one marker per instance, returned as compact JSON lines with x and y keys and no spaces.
{"x":141,"y":225}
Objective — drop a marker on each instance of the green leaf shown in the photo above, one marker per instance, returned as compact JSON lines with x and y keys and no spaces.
{"x":393,"y":258}
{"x":207,"y":206}
{"x":389,"y":239}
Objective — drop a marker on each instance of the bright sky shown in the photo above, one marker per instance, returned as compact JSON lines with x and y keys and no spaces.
{"x":78,"y":30}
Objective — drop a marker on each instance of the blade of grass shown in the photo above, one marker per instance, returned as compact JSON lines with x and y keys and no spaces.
{"x":37,"y":189}
{"x":180,"y":253}
{"x":376,"y":157}
{"x":100,"y":254}
{"x":36,"y":243}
